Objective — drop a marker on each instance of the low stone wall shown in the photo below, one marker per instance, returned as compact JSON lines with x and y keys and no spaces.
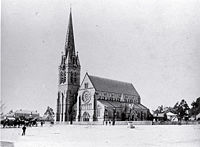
{"x":62,"y":123}
{"x":192,"y":122}
{"x":116,"y":123}
{"x":177,"y":123}
{"x":133,"y":122}
{"x":88,"y":123}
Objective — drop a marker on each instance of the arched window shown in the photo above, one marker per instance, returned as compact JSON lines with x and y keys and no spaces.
{"x":75,"y":77}
{"x":64,"y":77}
{"x":86,"y":85}
{"x":74,"y":61}
{"x":60,"y":81}
{"x":141,"y":117}
{"x":61,"y":77}
{"x":71,"y":77}
{"x":98,"y":112}
{"x":86,"y":116}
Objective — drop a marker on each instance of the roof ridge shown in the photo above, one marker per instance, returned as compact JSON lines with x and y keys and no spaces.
{"x":26,"y":110}
{"x":109,"y":79}
{"x":110,"y":85}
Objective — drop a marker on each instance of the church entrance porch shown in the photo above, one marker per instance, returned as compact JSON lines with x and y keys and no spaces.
{"x":86,"y":116}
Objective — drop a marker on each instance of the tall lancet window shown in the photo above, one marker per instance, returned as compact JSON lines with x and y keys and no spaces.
{"x":61,"y":77}
{"x":64,"y":76}
{"x":71,"y":77}
{"x":75,"y":77}
{"x":60,"y":80}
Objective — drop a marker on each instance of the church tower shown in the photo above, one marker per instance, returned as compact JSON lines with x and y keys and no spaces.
{"x":69,"y":77}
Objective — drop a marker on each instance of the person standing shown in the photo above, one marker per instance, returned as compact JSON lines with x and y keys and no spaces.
{"x":114,"y":116}
{"x":106,"y":122}
{"x":24,"y":130}
{"x":109,"y":122}
{"x":41,"y":123}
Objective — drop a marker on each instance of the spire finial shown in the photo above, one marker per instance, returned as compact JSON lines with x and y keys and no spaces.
{"x":69,"y":43}
{"x":70,"y":7}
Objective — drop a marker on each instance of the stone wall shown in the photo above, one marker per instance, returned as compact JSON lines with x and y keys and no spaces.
{"x":133,"y":122}
{"x":116,"y":123}
{"x":177,"y":123}
{"x":88,"y":123}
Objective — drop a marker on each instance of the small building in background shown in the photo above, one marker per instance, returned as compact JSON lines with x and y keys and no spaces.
{"x":9,"y":115}
{"x":159,"y":116}
{"x":171,"y":116}
{"x":26,"y":113}
{"x":12,"y":114}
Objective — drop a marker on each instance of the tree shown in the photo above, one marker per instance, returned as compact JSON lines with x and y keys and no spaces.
{"x":149,"y":115}
{"x":175,"y":108}
{"x":195,"y":107}
{"x":159,"y":110}
{"x":49,"y":114}
{"x":181,"y":109}
{"x":2,"y":108}
{"x":10,"y":112}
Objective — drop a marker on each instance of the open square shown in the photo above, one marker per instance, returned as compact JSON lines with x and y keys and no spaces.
{"x":104,"y":136}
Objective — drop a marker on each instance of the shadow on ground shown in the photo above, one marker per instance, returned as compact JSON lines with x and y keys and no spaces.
{"x":6,"y":144}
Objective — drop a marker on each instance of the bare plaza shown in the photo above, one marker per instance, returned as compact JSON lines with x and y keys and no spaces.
{"x":104,"y":136}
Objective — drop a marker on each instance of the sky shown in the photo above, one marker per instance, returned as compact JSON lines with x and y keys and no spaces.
{"x":152,"y":44}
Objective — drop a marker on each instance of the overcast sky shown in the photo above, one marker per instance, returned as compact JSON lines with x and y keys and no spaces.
{"x":153,"y":44}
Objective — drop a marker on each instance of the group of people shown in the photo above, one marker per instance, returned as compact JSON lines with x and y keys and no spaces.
{"x":109,"y":122}
{"x":106,"y":118}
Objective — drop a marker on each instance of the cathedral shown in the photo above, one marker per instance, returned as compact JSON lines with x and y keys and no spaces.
{"x":97,"y":98}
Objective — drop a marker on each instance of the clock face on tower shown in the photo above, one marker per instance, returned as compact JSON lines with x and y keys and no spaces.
{"x":86,"y":96}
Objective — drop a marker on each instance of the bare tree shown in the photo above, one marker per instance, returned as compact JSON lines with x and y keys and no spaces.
{"x":49,"y":114}
{"x":2,"y":108}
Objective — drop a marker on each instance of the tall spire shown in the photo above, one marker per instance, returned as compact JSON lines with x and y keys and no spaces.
{"x":69,"y":44}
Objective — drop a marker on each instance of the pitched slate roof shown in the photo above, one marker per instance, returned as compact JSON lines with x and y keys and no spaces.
{"x":111,"y":104}
{"x":106,"y":103}
{"x":26,"y":112}
{"x":142,"y":106}
{"x":114,"y":104}
{"x":108,"y":85}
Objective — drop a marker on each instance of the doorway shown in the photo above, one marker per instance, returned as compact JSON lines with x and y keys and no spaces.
{"x":86,"y":116}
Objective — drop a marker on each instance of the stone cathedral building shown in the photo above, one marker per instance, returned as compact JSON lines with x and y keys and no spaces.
{"x":96,"y":99}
